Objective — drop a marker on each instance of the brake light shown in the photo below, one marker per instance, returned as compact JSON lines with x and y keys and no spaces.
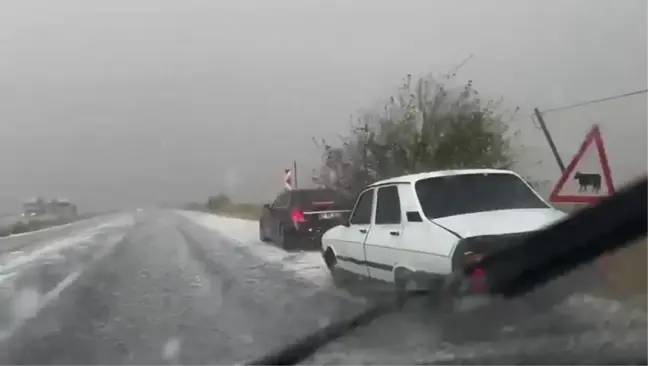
{"x":297,"y":216}
{"x":478,"y":276}
{"x":478,"y":280}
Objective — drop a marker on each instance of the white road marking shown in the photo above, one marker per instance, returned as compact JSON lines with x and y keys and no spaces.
{"x":28,"y":304}
{"x":50,"y":248}
{"x":12,"y":260}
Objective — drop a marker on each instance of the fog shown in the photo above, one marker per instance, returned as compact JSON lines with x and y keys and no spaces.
{"x":128,"y":102}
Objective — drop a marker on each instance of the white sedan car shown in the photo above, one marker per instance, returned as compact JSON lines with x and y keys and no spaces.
{"x":417,"y":229}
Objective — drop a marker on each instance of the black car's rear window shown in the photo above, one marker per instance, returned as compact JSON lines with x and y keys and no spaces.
{"x":321,"y":199}
{"x":470,"y":193}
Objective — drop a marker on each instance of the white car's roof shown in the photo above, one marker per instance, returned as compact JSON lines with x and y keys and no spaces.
{"x":412,"y":178}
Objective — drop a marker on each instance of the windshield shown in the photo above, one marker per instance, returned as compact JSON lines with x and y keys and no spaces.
{"x":471,"y":193}
{"x":201,"y":182}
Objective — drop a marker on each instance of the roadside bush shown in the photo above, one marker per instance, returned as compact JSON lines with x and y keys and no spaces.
{"x":249,"y":211}
{"x":222,"y":205}
{"x":217,"y":202}
{"x":431,"y":126}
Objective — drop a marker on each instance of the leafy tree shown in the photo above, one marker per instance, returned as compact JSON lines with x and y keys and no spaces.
{"x":218,"y":202}
{"x":426,"y":127}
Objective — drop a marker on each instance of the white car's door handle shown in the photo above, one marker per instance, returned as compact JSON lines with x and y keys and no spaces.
{"x":364,"y":231}
{"x":394,"y":233}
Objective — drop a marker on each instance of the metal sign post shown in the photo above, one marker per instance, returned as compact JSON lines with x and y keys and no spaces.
{"x":552,"y":145}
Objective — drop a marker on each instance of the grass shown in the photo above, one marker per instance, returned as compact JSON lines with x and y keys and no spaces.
{"x":626,"y":274}
{"x":626,"y":271}
{"x":248,"y":211}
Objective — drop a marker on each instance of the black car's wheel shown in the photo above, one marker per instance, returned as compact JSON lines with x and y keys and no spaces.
{"x":262,"y":235}
{"x":285,"y":239}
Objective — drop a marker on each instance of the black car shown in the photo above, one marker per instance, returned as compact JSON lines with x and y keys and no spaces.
{"x":298,"y":218}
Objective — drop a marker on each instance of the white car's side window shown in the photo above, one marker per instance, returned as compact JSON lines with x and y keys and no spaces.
{"x":388,"y":206}
{"x":362,"y":211}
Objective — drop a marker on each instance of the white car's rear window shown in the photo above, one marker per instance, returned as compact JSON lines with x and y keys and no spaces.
{"x":470,"y":193}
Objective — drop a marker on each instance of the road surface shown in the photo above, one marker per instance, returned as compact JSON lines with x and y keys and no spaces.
{"x":164,"y":287}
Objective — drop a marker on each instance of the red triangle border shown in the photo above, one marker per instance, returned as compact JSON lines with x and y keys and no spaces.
{"x":594,"y":135}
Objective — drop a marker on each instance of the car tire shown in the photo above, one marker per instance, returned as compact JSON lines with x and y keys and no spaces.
{"x":262,"y":236}
{"x":400,"y":288}
{"x":339,"y":280}
{"x":434,"y":298}
{"x":285,"y":240}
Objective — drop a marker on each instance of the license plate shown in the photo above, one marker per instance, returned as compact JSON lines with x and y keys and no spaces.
{"x":329,"y":215}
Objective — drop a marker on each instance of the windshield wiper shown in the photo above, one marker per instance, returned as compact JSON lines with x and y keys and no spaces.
{"x":612,"y":224}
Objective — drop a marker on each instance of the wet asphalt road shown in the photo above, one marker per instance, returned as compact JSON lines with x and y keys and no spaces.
{"x":158,"y":291}
{"x":156,"y":288}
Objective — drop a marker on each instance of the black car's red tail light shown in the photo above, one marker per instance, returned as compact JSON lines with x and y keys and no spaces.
{"x":297,"y":216}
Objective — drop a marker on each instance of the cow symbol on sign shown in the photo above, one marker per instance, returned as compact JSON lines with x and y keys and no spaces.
{"x":586,"y":181}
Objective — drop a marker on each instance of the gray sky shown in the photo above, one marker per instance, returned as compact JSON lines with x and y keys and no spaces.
{"x":127,"y":101}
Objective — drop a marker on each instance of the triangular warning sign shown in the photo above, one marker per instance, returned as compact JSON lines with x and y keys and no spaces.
{"x":587,"y":178}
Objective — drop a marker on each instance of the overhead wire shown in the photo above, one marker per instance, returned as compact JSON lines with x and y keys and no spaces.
{"x":581,"y":104}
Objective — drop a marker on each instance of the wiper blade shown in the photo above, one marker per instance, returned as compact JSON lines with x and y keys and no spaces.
{"x":613,"y":223}
{"x":303,"y":348}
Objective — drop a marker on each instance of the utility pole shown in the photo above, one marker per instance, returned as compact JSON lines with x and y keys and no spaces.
{"x":295,"y":172}
{"x":552,"y":145}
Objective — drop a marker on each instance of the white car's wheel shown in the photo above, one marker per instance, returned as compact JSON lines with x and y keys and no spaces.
{"x":339,"y":279}
{"x":408,"y":285}
{"x":401,"y":279}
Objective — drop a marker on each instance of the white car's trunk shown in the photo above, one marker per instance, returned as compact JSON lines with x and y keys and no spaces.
{"x":500,"y":222}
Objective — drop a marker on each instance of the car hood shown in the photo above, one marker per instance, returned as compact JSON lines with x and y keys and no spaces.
{"x":500,"y":222}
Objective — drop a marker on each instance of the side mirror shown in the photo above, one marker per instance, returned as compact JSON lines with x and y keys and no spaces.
{"x":267,"y":206}
{"x":346,"y":223}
